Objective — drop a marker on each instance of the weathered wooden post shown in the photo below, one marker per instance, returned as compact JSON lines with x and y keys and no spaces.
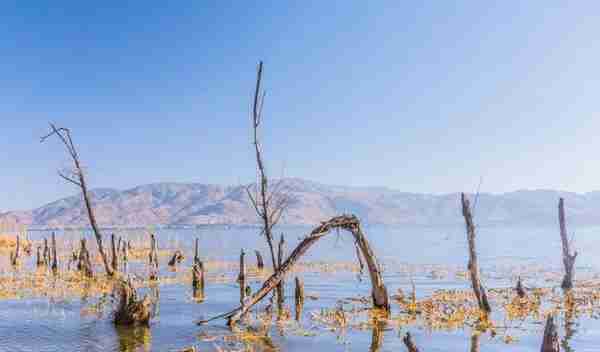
{"x":153,"y":258}
{"x":280,"y":286}
{"x":46,"y":253}
{"x":114,"y":254}
{"x":473,"y":265}
{"x":197,"y":275}
{"x":520,"y":290}
{"x":242,"y":278}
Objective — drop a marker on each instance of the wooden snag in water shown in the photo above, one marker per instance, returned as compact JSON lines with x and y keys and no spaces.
{"x":197,"y":275}
{"x":14,"y":257}
{"x":409,"y":343}
{"x":473,"y":265}
{"x":349,"y":223}
{"x":77,"y":178}
{"x":153,"y":258}
{"x":114,"y":254}
{"x":130,"y":310}
{"x":260,"y":264}
{"x":242,"y":278}
{"x":299,"y":298}
{"x":281,"y":285}
{"x":520,"y":290}
{"x":84,"y":263}
{"x":568,"y":258}
{"x":550,"y":342}
{"x":39,"y":260}
{"x":176,"y":258}
{"x":54,"y":255}
{"x":46,"y":253}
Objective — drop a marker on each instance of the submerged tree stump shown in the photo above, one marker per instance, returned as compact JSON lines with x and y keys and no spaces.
{"x":84,"y":263}
{"x":473,"y":265}
{"x":176,"y":258}
{"x":130,"y":310}
{"x":409,"y":343}
{"x":550,"y":342}
{"x":260,"y":264}
{"x":54,"y":255}
{"x":281,"y":285}
{"x":520,"y":290}
{"x":14,"y":257}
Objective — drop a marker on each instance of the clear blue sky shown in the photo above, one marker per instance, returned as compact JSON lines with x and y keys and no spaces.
{"x":418,"y":97}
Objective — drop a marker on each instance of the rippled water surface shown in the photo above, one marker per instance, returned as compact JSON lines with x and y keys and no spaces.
{"x":41,"y":325}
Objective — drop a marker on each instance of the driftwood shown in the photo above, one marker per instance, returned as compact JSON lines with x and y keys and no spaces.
{"x":77,"y":178}
{"x":550,"y":342}
{"x":299,"y":298}
{"x":84,"y":263}
{"x":473,"y":265}
{"x":130,"y":310}
{"x":346,"y":222}
{"x":568,"y":258}
{"x":409,"y":343}
{"x":176,"y":258}
{"x":260,"y":264}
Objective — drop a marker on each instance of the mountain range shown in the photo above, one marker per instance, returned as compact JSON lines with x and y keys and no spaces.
{"x":308,"y":204}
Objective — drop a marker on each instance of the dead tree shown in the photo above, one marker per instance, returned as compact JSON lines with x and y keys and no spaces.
{"x":349,"y":223}
{"x":550,"y":342}
{"x":39,"y":260}
{"x":14,"y":258}
{"x":299,"y":298}
{"x":260,"y":264}
{"x":473,"y":265}
{"x":84,"y":263}
{"x":269,"y":204}
{"x":77,"y":178}
{"x":131,"y":310}
{"x":409,"y":343}
{"x":568,"y":258}
{"x":54,"y":255}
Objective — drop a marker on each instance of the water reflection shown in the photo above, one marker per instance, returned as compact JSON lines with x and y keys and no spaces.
{"x":134,"y":338}
{"x":376,"y":338}
{"x":475,"y":342}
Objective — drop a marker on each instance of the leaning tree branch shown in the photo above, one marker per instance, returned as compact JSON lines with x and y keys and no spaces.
{"x":64,"y":135}
{"x":349,"y":223}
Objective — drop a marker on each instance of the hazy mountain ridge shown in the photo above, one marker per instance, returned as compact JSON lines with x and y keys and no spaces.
{"x":310,"y":202}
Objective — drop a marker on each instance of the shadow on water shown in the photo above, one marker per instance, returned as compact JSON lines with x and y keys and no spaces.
{"x":134,"y":338}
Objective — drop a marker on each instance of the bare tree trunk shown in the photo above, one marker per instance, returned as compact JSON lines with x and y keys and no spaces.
{"x":39,"y":260}
{"x":520,"y":290}
{"x":46,"y":253}
{"x":568,"y":258}
{"x":280,"y":286}
{"x":473,"y":266}
{"x":346,"y":222}
{"x":197,"y":275}
{"x":84,"y":262}
{"x":14,"y":258}
{"x":550,"y":343}
{"x":153,"y":258}
{"x":65,"y":136}
{"x":115,"y":256}
{"x":409,"y":343}
{"x":54,"y":256}
{"x":242,"y":278}
{"x":299,"y":298}
{"x":260,"y":264}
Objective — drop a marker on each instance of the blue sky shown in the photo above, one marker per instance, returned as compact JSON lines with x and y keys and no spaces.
{"x":419,"y":97}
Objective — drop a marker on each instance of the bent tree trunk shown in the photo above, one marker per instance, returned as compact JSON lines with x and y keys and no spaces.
{"x":349,"y":223}
{"x":473,"y":266}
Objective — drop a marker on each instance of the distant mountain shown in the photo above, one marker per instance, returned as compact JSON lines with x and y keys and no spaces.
{"x":309,"y":203}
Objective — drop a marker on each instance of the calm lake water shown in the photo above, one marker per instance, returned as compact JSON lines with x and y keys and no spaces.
{"x":534,"y":253}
